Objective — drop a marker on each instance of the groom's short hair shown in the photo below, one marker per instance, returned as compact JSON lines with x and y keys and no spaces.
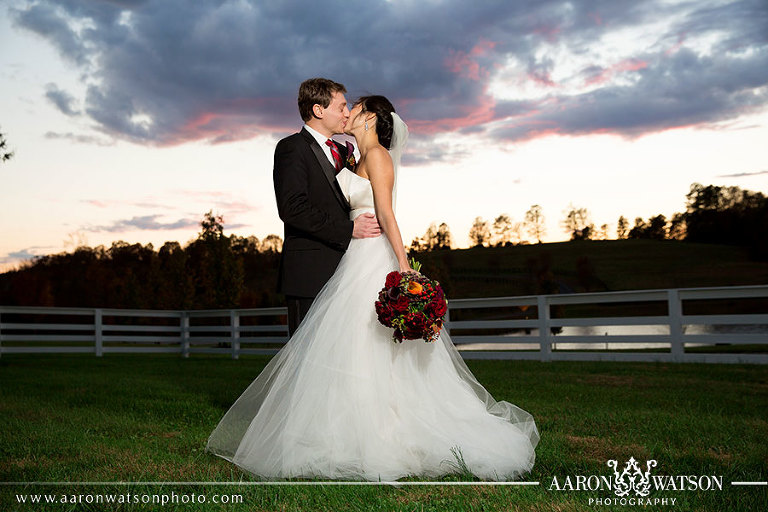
{"x":318,"y":91}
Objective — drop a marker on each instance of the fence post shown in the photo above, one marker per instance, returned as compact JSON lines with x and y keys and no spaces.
{"x":1,"y":335}
{"x":675,"y":311}
{"x":97,"y":319}
{"x":184,"y":327}
{"x":544,"y":336}
{"x":234,"y":325}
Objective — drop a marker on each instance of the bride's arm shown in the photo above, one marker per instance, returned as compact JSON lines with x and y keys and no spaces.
{"x":382,"y":177}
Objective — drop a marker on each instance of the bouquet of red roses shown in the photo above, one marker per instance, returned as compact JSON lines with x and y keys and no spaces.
{"x":413,"y":305}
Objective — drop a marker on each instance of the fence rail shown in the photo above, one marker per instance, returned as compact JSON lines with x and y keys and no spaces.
{"x":722,"y":325}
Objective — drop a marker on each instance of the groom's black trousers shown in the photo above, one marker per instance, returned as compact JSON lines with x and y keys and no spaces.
{"x":297,"y":310}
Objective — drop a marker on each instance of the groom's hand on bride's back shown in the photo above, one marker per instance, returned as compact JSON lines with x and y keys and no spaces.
{"x":366,"y":226}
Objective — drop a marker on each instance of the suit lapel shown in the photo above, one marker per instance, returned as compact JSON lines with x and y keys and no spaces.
{"x":325,"y":165}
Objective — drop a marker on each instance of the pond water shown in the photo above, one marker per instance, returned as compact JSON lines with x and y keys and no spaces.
{"x":560,"y":340}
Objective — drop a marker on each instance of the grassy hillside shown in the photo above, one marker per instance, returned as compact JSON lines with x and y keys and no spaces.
{"x":591,"y":266}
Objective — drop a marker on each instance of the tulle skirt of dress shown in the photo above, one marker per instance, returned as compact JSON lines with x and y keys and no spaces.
{"x":341,"y":400}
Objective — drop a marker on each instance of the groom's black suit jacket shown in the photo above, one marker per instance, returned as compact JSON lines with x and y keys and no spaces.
{"x":314,"y":212}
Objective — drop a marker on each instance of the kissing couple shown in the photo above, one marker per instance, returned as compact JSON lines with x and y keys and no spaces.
{"x":341,"y":400}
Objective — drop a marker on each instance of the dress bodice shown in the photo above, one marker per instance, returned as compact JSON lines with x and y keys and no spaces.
{"x":358,"y":192}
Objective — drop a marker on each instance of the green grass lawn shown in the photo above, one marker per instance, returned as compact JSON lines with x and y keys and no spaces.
{"x":147,"y":418}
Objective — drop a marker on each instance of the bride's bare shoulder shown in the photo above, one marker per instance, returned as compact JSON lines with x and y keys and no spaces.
{"x":379,"y":160}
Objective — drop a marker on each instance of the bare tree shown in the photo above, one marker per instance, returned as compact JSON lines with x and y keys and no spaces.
{"x":444,"y":240}
{"x":534,"y":220}
{"x":430,"y":237}
{"x":577,"y":223}
{"x":502,"y":230}
{"x":433,"y":238}
{"x":603,"y":234}
{"x":4,"y":154}
{"x":75,"y":239}
{"x":480,"y":233}
{"x":622,"y":228}
{"x":517,"y":233}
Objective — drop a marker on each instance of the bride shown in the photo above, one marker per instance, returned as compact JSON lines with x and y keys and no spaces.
{"x":341,"y":400}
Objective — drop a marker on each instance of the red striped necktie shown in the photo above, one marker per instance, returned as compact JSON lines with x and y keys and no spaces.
{"x":335,"y":153}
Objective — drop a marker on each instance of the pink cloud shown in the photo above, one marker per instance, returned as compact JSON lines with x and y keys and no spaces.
{"x":225,"y":201}
{"x":675,"y":47}
{"x":630,"y":65}
{"x":96,"y":202}
{"x":464,"y":63}
{"x":461,"y":64}
{"x":542,"y":78}
{"x":233,"y":120}
{"x":598,"y":78}
{"x":483,"y":47}
{"x":468,"y":116}
{"x":623,"y":66}
{"x":549,"y":32}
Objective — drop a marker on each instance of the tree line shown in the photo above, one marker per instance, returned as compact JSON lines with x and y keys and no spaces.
{"x":714,"y":214}
{"x":211,"y":272}
{"x":219,"y":271}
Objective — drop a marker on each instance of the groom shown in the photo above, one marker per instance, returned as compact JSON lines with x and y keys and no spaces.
{"x":309,"y":200}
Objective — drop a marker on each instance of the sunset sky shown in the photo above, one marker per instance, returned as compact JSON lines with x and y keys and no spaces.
{"x":131,"y":119}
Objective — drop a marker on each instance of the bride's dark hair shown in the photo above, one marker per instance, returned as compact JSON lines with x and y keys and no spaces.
{"x":383,"y":109}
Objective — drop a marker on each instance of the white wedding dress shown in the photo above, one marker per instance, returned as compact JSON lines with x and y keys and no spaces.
{"x":341,"y":400}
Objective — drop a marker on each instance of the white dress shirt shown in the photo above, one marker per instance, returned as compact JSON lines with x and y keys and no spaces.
{"x":320,"y":138}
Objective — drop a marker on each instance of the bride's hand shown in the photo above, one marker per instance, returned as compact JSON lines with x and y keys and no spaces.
{"x":405,"y":269}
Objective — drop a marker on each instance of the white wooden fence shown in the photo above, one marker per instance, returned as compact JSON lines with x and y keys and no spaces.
{"x":523,"y":328}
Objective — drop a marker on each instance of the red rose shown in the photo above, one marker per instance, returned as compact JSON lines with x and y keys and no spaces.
{"x":436,"y":309}
{"x":400,"y":305}
{"x":393,"y":279}
{"x":440,"y":308}
{"x":381,"y":307}
{"x":384,"y":312}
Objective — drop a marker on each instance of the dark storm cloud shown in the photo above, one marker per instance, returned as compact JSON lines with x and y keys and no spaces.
{"x":49,"y":22}
{"x":168,"y":71}
{"x":685,"y":89}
